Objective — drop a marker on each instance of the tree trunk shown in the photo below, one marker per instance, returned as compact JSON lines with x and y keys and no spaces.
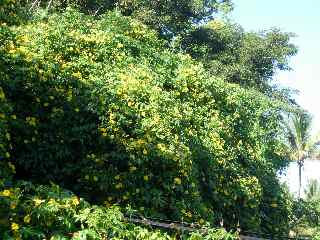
{"x":300,"y":167}
{"x":300,"y":163}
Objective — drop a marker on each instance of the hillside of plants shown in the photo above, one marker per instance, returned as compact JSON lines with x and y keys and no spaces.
{"x":158,"y":109}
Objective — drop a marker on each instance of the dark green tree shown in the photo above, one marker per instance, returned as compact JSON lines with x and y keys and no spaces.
{"x":246,"y":58}
{"x":168,"y":17}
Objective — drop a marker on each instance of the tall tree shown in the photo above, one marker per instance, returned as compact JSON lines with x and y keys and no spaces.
{"x":169,"y":17}
{"x":249,"y":59}
{"x":300,"y":141}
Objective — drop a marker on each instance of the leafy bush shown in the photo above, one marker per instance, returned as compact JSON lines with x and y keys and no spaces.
{"x":6,"y":167}
{"x":305,"y":219}
{"x":13,"y":12}
{"x":104,"y":109}
{"x":38,"y":212}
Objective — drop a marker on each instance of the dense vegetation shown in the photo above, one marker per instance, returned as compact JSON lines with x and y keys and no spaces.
{"x":179,"y":120}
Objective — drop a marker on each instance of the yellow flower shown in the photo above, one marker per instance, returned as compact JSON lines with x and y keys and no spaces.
{"x":12,"y":51}
{"x":145,"y":152}
{"x":177,"y":181}
{"x":274,"y":205}
{"x":189,"y":214}
{"x":27,"y":219}
{"x":2,"y":96}
{"x":15,"y":226}
{"x":132,"y":168}
{"x":77,"y":74}
{"x":119,"y":185}
{"x":31,"y":121}
{"x":146,"y":177}
{"x":38,"y":201}
{"x":52,"y":201}
{"x":13,"y":206}
{"x":11,"y":166}
{"x":5,"y":193}
{"x":75,"y":201}
{"x":161,"y":147}
{"x":103,"y":130}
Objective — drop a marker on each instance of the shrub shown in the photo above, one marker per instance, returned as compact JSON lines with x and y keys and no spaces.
{"x":38,"y":212}
{"x":6,"y":167}
{"x":104,"y":109}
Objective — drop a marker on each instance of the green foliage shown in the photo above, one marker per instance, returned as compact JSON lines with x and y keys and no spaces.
{"x":12,"y":12}
{"x":171,"y":17}
{"x":305,"y":218}
{"x":313,"y":190}
{"x":246,"y":58}
{"x":168,"y":17}
{"x":6,"y":167}
{"x":105,"y":110}
{"x":36,"y":212}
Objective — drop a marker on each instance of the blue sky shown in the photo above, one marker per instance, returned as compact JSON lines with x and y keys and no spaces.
{"x":303,"y":19}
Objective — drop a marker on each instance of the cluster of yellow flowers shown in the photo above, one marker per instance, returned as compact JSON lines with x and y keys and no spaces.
{"x":186,"y":213}
{"x":15,"y":226}
{"x":27,"y":218}
{"x":177,"y":181}
{"x":32,"y":121}
{"x":75,"y":201}
{"x":6,"y":193}
{"x":103,"y":132}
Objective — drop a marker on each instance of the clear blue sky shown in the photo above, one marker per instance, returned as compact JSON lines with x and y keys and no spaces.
{"x":303,"y":19}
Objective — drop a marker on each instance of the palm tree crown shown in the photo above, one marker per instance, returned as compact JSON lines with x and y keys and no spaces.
{"x":301,"y":144}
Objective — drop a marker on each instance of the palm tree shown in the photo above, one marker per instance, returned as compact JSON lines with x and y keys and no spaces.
{"x":300,"y":142}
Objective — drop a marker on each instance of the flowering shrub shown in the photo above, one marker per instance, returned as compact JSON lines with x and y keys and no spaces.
{"x":42,"y":212}
{"x":6,"y":167}
{"x":12,"y":11}
{"x":103,"y":108}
